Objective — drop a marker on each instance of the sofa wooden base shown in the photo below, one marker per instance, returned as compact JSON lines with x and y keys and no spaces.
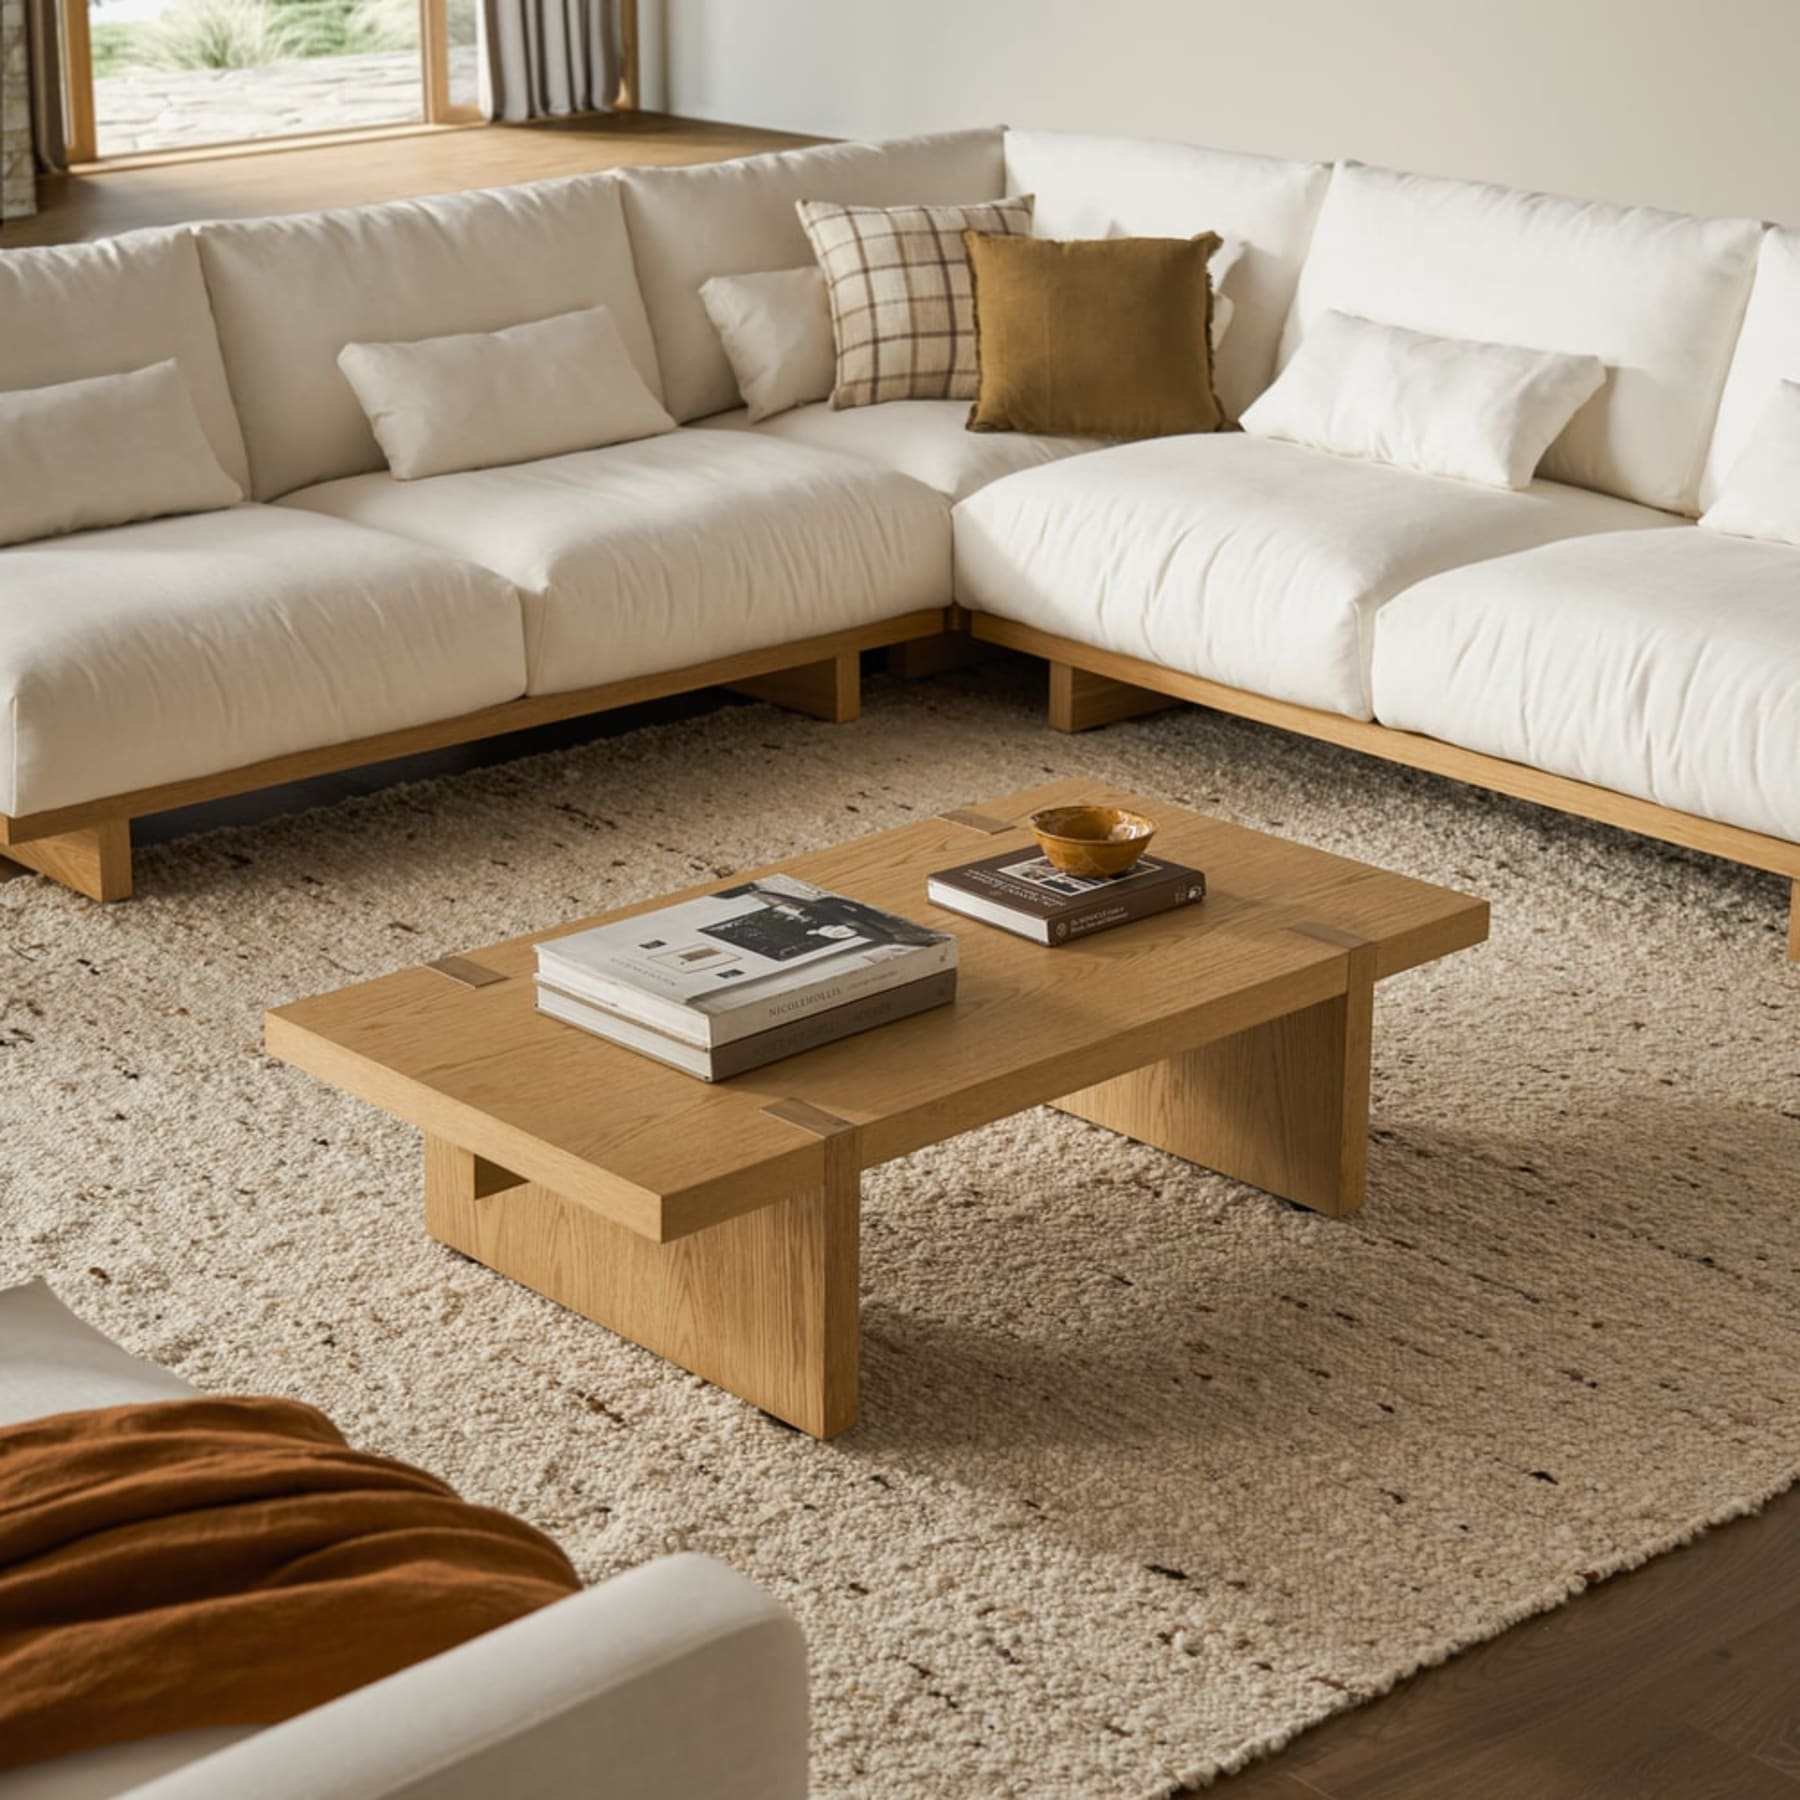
{"x":88,"y":847}
{"x":830,"y":690}
{"x":1090,"y":687}
{"x":95,"y":860}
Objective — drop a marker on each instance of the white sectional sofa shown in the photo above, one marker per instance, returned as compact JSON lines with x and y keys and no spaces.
{"x":679,"y":1678}
{"x":1580,"y":643}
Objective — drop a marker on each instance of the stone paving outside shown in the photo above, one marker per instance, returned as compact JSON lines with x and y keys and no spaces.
{"x":181,"y":108}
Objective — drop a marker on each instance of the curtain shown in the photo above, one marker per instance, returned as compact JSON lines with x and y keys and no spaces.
{"x":43,"y":76}
{"x":550,"y":57}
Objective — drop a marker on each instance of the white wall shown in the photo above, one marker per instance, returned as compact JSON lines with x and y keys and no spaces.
{"x":1693,"y":104}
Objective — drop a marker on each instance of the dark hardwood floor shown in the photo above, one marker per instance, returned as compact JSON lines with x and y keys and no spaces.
{"x":1680,"y":1681}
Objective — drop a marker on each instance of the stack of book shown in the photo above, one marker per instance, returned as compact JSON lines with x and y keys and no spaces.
{"x":1024,"y":892}
{"x":728,"y":982}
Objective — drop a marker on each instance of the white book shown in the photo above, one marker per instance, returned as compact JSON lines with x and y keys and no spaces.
{"x":810,"y":1031}
{"x":728,"y":965}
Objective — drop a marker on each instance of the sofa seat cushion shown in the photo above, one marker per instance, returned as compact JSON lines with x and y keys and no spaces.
{"x":1662,"y":664}
{"x":926,"y":439}
{"x":156,"y":652}
{"x":1249,"y":562}
{"x":677,"y":550}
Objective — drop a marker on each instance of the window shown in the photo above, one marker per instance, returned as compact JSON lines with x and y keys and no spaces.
{"x":160,"y":75}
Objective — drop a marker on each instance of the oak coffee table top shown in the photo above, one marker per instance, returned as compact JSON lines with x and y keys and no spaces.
{"x":1235,"y":1033}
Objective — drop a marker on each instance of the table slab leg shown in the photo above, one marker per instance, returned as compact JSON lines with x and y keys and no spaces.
{"x":764,"y":1305}
{"x":1283,"y":1106}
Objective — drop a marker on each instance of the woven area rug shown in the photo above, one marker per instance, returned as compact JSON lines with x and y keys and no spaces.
{"x":1153,"y":1471}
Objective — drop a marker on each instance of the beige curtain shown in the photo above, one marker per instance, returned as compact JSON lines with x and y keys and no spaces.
{"x":43,"y":75}
{"x":545,"y":58}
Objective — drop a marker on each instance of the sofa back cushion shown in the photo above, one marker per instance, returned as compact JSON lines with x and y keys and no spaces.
{"x":1768,"y":353}
{"x":1657,"y":296}
{"x":1099,"y":187}
{"x":290,"y":293}
{"x":738,"y":218}
{"x":72,"y":313}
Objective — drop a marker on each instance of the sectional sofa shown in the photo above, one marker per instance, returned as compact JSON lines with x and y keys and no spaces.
{"x":1581,"y":643}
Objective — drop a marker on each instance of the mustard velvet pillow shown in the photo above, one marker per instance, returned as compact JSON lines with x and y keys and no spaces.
{"x":1097,"y":337}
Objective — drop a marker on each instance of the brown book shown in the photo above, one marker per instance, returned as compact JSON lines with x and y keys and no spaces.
{"x":1024,"y":892}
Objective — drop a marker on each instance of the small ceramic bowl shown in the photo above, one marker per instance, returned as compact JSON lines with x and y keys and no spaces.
{"x":1092,"y":840}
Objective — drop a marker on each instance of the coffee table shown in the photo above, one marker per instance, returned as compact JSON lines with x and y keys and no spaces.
{"x":717,"y":1225}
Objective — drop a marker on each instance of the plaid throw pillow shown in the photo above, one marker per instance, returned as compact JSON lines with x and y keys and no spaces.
{"x":901,"y":308}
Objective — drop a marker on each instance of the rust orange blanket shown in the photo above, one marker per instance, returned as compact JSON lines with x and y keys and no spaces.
{"x":226,"y":1562}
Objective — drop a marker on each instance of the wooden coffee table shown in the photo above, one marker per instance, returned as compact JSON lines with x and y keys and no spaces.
{"x":718,"y":1225}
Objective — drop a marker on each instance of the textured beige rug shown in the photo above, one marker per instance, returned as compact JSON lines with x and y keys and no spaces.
{"x":1154,"y":1471}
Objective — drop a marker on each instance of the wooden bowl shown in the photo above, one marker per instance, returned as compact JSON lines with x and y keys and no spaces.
{"x":1092,"y":840}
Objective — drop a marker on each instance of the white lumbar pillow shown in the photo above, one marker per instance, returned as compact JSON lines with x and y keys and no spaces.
{"x":1761,"y":495}
{"x":776,"y":329}
{"x":105,"y":451}
{"x":477,"y":399}
{"x":1443,"y":406}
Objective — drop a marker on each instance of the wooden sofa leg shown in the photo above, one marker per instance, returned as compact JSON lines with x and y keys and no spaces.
{"x":95,"y":861}
{"x":1080,"y":700}
{"x":829,"y":690}
{"x":1794,"y":923}
{"x":952,"y":648}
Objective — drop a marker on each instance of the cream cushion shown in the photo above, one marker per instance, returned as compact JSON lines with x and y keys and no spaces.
{"x":776,"y":329}
{"x":155,"y":652}
{"x":53,"y":1362}
{"x":290,"y":293}
{"x":1656,"y":296}
{"x":926,"y":439}
{"x":105,"y":451}
{"x":1761,"y":495}
{"x":108,"y":308}
{"x":1257,"y":564}
{"x":1768,"y":352}
{"x":737,"y":218}
{"x":1664,"y":664}
{"x":476,"y":399}
{"x":1095,"y":187}
{"x":1442,"y":406}
{"x":675,"y":551}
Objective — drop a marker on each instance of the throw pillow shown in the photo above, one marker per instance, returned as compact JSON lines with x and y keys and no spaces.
{"x":1442,"y":406}
{"x":898,"y":279}
{"x":478,"y":399}
{"x":1761,"y":495}
{"x":109,"y":450}
{"x":1096,"y":337}
{"x":776,"y":330}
